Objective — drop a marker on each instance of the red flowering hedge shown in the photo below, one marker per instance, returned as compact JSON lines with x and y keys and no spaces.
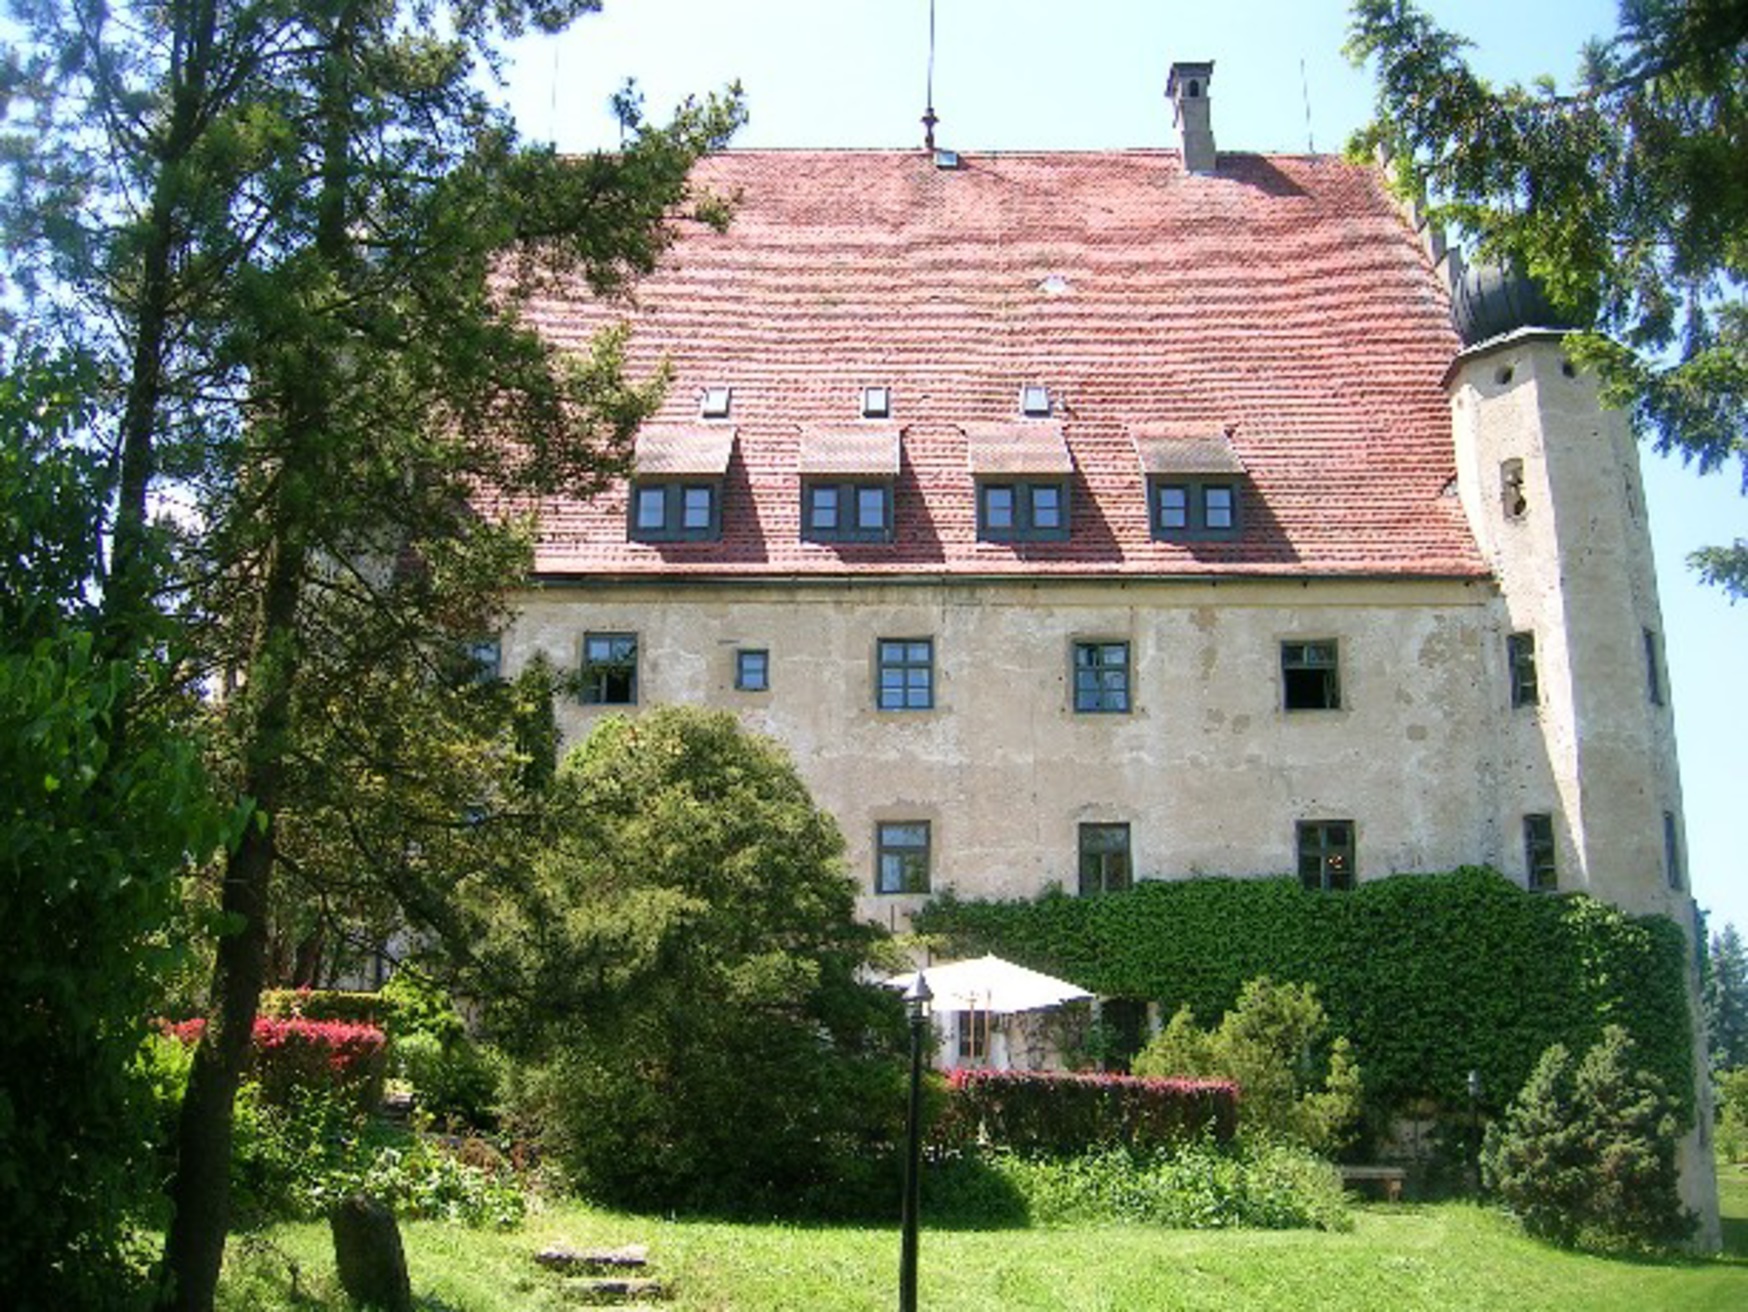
{"x":1064,"y":1115}
{"x":314,"y":1054}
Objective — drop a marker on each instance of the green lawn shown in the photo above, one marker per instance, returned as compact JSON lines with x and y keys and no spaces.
{"x":1450,"y":1256}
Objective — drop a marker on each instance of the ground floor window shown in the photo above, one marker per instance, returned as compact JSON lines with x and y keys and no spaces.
{"x":1326,"y":854}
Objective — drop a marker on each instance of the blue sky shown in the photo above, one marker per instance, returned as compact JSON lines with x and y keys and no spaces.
{"x":1044,"y":74}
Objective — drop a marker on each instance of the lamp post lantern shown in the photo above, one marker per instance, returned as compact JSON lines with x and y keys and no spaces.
{"x":916,"y":1000}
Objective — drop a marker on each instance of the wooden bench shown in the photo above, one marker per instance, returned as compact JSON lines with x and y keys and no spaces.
{"x":1391,"y":1177}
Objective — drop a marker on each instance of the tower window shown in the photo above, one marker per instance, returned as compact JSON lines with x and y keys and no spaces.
{"x":1540,"y":871}
{"x":1520,"y":654}
{"x":1672,"y":852}
{"x":1653,"y":668}
{"x":1511,"y":496}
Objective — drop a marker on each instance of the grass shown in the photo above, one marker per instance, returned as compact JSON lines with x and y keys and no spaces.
{"x":1442,"y":1258}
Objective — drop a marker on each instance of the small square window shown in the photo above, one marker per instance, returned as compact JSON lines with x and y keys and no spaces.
{"x":1310,"y":676}
{"x":609,"y":675}
{"x":715,"y":402}
{"x":1025,"y":511}
{"x":1326,"y":855}
{"x":752,"y":669}
{"x":1194,"y":509}
{"x":1540,"y":871}
{"x":674,"y":512}
{"x":1101,"y":677}
{"x":902,"y":857}
{"x":1035,"y":401}
{"x":876,"y":402}
{"x":1104,"y":859}
{"x":846,"y":512}
{"x":1520,"y":652}
{"x":483,"y":660}
{"x":906,"y":675}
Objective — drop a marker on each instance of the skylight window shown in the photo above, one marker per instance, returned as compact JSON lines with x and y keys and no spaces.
{"x":715,"y":403}
{"x":876,"y":402}
{"x":1035,"y":401}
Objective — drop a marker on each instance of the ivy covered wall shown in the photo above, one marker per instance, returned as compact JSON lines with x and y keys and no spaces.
{"x":1430,"y":976}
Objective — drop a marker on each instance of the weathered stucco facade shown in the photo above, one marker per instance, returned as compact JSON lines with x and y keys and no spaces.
{"x":1067,"y":513}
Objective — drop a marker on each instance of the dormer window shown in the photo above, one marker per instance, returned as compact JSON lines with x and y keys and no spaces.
{"x":676,"y":489}
{"x":1194,"y":481}
{"x":876,"y":402}
{"x":847,"y":478}
{"x":1035,"y":401}
{"x":1022,"y":474}
{"x":715,"y":403}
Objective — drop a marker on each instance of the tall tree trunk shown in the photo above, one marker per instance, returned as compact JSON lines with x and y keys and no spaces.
{"x":200,"y":1191}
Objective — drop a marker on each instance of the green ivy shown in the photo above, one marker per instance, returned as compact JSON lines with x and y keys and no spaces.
{"x":1430,"y":976}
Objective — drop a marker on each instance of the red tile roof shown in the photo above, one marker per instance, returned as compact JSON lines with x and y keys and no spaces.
{"x":1281,"y":301}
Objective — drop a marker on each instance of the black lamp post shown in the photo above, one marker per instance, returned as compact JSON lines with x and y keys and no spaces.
{"x":916,"y":999}
{"x":1475,"y":1124}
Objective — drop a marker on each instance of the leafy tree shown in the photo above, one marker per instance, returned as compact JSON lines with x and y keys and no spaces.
{"x":1724,"y":999}
{"x":683,"y":966}
{"x":1586,"y":1155}
{"x":1627,"y":200}
{"x":299,"y":236}
{"x":1269,"y":1043}
{"x":95,"y":839}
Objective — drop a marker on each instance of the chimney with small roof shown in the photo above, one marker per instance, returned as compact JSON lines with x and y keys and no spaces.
{"x":1187,"y":89}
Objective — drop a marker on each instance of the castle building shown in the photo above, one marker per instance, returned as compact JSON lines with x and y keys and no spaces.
{"x":1084,"y":518}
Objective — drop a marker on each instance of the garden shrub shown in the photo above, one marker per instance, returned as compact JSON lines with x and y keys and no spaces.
{"x":1292,"y":1084}
{"x":1429,"y":976}
{"x":354,"y":1008}
{"x":1200,"y":1185}
{"x":1586,"y":1154}
{"x":1038,"y":1113}
{"x":458,"y":1080}
{"x":1732,"y":1133}
{"x":286,"y":1055}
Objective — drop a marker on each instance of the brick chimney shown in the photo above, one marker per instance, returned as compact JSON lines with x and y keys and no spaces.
{"x":1187,"y":89}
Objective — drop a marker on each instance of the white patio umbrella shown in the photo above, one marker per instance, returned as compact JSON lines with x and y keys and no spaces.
{"x":990,"y":984}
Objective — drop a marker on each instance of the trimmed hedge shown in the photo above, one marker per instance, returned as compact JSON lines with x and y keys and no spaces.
{"x":327,"y":1004}
{"x":1054,"y":1115}
{"x":351,"y":1060}
{"x":1430,"y":976}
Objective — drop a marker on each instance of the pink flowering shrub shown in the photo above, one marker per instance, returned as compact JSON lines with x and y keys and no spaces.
{"x":1059,"y":1115}
{"x":291,"y":1053}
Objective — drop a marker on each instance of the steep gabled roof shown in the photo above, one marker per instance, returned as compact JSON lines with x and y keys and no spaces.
{"x":1280,"y":305}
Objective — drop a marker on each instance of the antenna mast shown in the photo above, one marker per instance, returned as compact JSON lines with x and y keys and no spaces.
{"x":929,"y":119}
{"x":1305,"y":88}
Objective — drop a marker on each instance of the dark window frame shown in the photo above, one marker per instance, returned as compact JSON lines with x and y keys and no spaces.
{"x":673,"y":527}
{"x":1309,"y":684}
{"x":898,"y":656}
{"x":1106,"y":861}
{"x":848,"y":498}
{"x":1091,"y":692}
{"x":1025,"y":526}
{"x":752,"y":669}
{"x":1197,"y":523}
{"x":609,"y":679}
{"x":908,"y":857}
{"x":1520,"y":656}
{"x":1655,"y":687}
{"x":1541,"y":864}
{"x":1327,"y":853}
{"x":483,"y":660}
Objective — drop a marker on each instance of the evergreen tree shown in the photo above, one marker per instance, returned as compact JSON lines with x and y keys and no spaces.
{"x":299,"y":236}
{"x":1724,"y":997}
{"x":1627,"y":200}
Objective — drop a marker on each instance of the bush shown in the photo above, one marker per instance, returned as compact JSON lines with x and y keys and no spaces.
{"x":1732,"y":1137}
{"x":295,"y":1160}
{"x":1269,"y":1044}
{"x":1586,"y":1156}
{"x":457,"y":1080}
{"x":1196,"y":1186}
{"x":288,"y":1055}
{"x":1066,"y":1115}
{"x":354,"y":1008}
